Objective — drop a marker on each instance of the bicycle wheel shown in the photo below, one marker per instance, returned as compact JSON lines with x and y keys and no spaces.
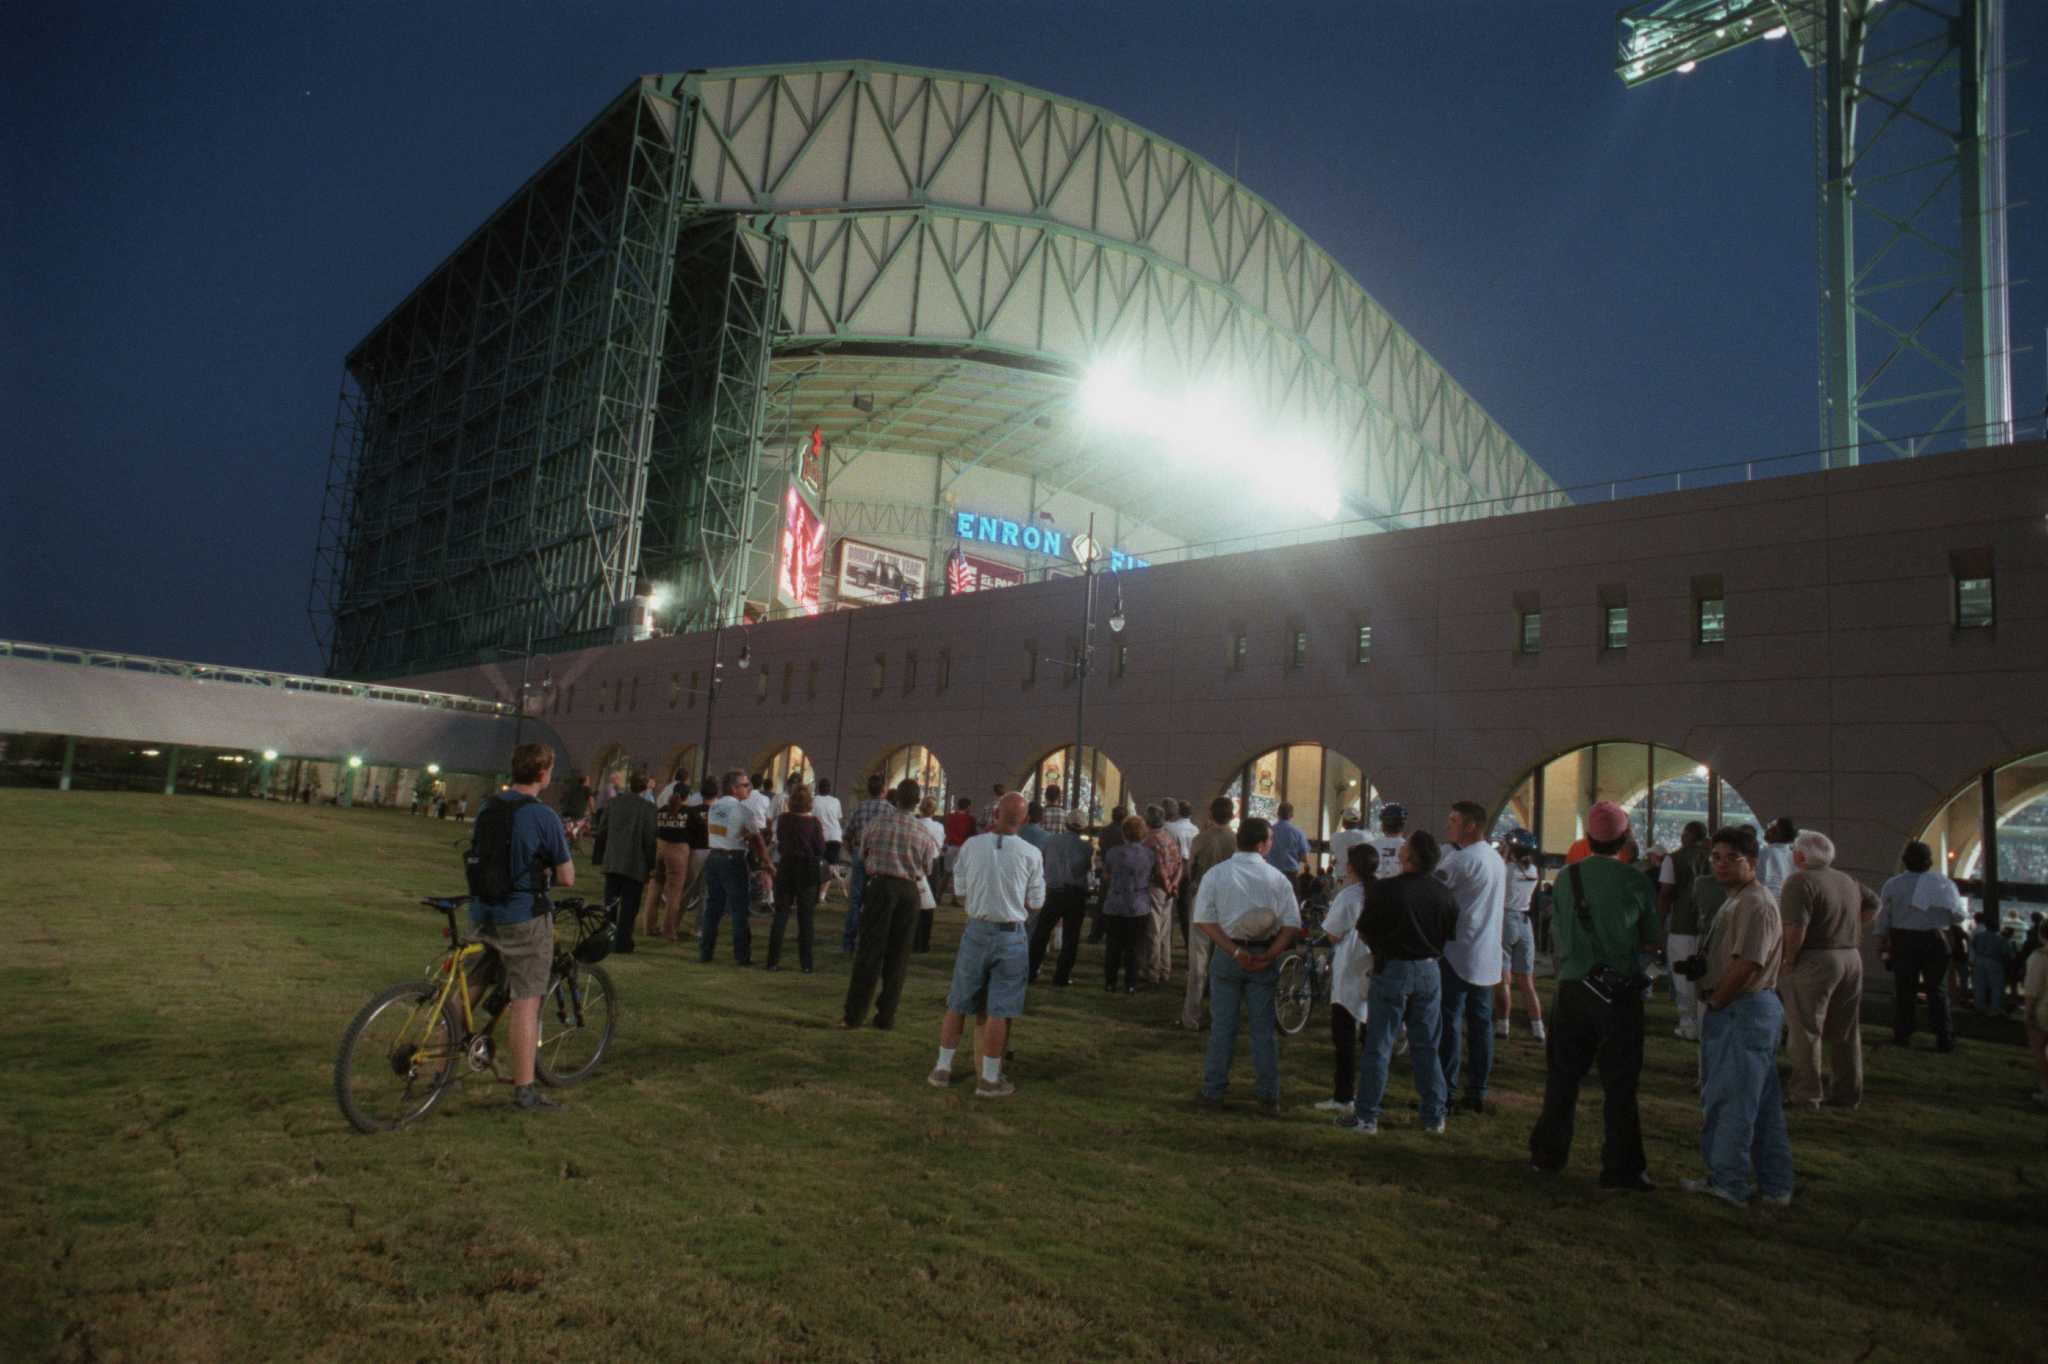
{"x":395,"y":1059}
{"x":578,"y":1016}
{"x":1293,"y":995}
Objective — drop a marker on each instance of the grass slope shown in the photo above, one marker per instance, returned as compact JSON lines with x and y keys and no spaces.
{"x":743,"y":1182}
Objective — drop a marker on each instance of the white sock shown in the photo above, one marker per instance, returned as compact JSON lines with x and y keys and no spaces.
{"x":945,"y":1058}
{"x":991,"y":1069}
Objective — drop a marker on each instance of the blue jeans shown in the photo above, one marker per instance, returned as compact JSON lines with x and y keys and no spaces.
{"x":725,"y":893}
{"x":1402,"y":994}
{"x":1468,"y":1019}
{"x":1745,"y":1113}
{"x":1231,"y":989}
{"x":856,"y":886}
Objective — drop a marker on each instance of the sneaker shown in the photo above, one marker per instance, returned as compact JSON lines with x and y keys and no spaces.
{"x":996,"y":1089}
{"x":1636,"y":1183}
{"x":1536,"y":1031}
{"x":940,"y":1078}
{"x":527,"y":1099}
{"x":1776,"y":1200}
{"x":1707,"y":1186}
{"x":1333,"y":1106}
{"x":1435,"y":1129}
{"x":1401,"y":1044}
{"x":1500,"y":1029}
{"x":1357,"y":1126}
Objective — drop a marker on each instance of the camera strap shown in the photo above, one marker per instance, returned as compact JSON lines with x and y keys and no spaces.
{"x":1579,"y":905}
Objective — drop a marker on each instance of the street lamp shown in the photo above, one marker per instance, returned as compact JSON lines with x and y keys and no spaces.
{"x":1088,"y":553}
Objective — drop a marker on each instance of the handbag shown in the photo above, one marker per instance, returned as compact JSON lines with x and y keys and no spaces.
{"x":924,"y":894}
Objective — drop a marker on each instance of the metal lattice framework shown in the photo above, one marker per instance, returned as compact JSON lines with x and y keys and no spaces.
{"x":1910,"y":178}
{"x":599,"y":386}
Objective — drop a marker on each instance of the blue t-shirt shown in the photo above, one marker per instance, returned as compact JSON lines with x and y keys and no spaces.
{"x":1290,"y":845}
{"x":537,"y":842}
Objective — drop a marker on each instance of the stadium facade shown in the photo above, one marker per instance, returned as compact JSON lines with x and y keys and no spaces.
{"x":764,"y":342}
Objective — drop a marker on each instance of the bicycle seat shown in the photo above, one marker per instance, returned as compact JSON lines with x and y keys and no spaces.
{"x":445,"y":902}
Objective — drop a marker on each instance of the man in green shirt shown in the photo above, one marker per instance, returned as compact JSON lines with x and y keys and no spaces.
{"x":1603,"y":919}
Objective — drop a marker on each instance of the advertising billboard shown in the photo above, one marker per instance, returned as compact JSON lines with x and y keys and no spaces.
{"x":803,"y":554}
{"x":871,"y":575}
{"x":972,"y":573}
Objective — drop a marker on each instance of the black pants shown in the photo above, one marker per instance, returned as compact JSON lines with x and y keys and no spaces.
{"x":1066,"y":906}
{"x":1920,"y":961}
{"x":888,"y":912}
{"x":1345,"y":1032}
{"x":1586,"y":1031}
{"x":796,"y":887}
{"x":1122,"y":934}
{"x":1184,"y":908}
{"x":623,"y":892}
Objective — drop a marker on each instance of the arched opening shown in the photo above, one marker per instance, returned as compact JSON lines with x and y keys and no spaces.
{"x":682,"y":759}
{"x":1661,"y":788}
{"x":1320,"y":783}
{"x":918,"y":763}
{"x":779,"y":764}
{"x":612,"y":764}
{"x":1098,"y":787}
{"x":1992,"y":836}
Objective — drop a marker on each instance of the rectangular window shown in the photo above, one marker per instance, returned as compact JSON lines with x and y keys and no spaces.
{"x":1974,"y":603}
{"x":675,"y":689}
{"x":1235,"y":655}
{"x":569,"y":703}
{"x":945,"y":678}
{"x":761,"y":686}
{"x":1529,"y":633}
{"x":1615,"y":633}
{"x":881,"y":673}
{"x":811,"y":681}
{"x":1030,"y":662}
{"x":1123,"y":659}
{"x":695,"y":679}
{"x":1297,"y":648}
{"x":633,"y":694}
{"x":788,"y":681}
{"x":1712,"y":623}
{"x":910,"y":672}
{"x":1361,"y":649}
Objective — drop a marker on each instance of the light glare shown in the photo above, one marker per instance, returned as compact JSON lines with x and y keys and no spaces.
{"x":1772,"y":35}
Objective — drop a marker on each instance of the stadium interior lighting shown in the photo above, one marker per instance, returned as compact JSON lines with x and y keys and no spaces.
{"x":433,"y":769}
{"x":151,"y":752}
{"x":1687,"y":68}
{"x":1116,"y":617}
{"x":658,"y":599}
{"x":1214,"y":428}
{"x":354,"y":761}
{"x":1770,"y":36}
{"x":1700,"y":771}
{"x":270,"y":755}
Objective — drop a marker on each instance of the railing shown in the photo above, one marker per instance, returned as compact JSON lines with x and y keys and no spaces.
{"x":249,"y":677}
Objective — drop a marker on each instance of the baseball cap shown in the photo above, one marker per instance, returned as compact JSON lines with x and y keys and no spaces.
{"x":1606,"y":822}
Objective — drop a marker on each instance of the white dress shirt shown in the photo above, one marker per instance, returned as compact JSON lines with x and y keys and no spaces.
{"x":1351,"y":961}
{"x":1183,"y":831}
{"x":1478,"y":880}
{"x":1247,"y":897}
{"x":1003,"y":877}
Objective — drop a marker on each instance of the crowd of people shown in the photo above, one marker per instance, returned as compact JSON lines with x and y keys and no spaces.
{"x":1432,"y":940}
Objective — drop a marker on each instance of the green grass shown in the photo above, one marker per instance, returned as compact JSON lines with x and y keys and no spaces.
{"x":743,"y":1182}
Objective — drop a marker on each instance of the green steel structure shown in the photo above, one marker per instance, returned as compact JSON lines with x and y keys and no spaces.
{"x":1909,"y":158}
{"x":595,"y":403}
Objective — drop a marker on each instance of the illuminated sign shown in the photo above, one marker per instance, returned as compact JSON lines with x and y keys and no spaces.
{"x":1035,"y":538}
{"x":803,"y":555}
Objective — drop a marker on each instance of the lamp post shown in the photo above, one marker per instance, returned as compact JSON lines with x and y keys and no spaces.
{"x":1082,"y":665}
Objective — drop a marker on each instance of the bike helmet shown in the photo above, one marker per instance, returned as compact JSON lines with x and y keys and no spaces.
{"x":1392,"y":813}
{"x":1522,"y":840}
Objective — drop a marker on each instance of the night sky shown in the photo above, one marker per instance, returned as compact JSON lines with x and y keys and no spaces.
{"x":207,"y":205}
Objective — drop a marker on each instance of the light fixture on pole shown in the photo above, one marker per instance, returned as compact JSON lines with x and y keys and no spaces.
{"x":1116,"y":617}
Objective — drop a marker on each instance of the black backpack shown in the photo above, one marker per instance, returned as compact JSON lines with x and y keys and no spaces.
{"x":488,"y":860}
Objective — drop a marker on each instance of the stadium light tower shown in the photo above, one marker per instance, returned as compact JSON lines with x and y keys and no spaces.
{"x":1909,"y":166}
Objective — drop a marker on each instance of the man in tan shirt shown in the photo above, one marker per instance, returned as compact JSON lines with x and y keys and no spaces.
{"x":1745,"y":1111}
{"x":1215,"y":844}
{"x":1821,"y":982}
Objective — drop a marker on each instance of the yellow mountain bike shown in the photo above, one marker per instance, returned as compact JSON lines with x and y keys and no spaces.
{"x":410,"y":1042}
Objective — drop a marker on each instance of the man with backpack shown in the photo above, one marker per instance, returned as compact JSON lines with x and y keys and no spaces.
{"x":517,"y":844}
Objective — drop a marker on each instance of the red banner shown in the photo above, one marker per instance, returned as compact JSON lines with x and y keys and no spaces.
{"x":803,"y":555}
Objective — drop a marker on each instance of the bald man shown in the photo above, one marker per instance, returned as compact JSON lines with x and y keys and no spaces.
{"x":1002,"y":878}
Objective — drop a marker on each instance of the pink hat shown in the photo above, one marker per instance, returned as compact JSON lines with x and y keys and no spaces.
{"x":1606,"y":822}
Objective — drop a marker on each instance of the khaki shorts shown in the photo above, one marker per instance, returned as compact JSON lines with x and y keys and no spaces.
{"x":528,"y":953}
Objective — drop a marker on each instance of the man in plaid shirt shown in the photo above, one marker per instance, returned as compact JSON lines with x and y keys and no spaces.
{"x":896,"y":850}
{"x":1157,"y":957}
{"x":857,"y":877}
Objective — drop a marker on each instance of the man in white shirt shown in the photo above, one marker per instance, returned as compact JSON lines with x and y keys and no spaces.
{"x":1342,"y":842}
{"x":1182,"y":829}
{"x":1002,"y":877}
{"x":734,"y":830}
{"x":831,"y":821}
{"x":763,"y":801}
{"x":1477,"y":879}
{"x":1246,"y":908}
{"x":1393,"y":833}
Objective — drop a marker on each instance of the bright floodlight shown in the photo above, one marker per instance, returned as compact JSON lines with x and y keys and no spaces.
{"x":1770,"y":36}
{"x":433,"y":769}
{"x":354,"y":761}
{"x":1687,"y":68}
{"x":1700,"y":771}
{"x":658,"y":598}
{"x":270,"y":755}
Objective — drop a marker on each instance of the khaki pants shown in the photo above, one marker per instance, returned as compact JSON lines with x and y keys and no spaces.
{"x":1199,"y":948}
{"x":1823,"y":997}
{"x":1155,"y":958}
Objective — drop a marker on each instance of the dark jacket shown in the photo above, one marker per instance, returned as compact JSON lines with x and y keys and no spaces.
{"x":626,"y":824}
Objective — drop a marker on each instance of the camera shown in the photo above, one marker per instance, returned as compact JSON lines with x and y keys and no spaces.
{"x":1608,"y":984}
{"x":1692,"y":967}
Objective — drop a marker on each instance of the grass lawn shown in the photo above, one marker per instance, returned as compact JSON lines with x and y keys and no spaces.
{"x":743,"y":1182}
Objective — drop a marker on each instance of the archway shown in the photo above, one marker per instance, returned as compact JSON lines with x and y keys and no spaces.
{"x":682,"y":758}
{"x":1098,"y":790}
{"x":779,"y":764}
{"x":918,"y":763}
{"x":2004,"y":808}
{"x":1320,"y":783}
{"x":1661,"y":788}
{"x":612,"y":764}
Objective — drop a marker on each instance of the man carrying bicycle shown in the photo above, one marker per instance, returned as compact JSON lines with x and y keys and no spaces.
{"x":536,"y":847}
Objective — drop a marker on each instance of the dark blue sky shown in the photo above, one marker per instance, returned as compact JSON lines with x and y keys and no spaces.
{"x":206,"y":206}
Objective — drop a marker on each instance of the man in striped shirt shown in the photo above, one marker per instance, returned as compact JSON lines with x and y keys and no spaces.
{"x":895,"y":850}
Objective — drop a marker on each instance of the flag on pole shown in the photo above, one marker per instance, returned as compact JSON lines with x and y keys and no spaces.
{"x":959,"y":575}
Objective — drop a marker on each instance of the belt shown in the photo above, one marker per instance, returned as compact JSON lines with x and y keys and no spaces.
{"x":1254,"y":944}
{"x":728,"y":852}
{"x":1003,"y":926}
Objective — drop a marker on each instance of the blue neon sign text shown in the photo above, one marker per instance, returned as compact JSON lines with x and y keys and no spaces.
{"x":1030,"y":536}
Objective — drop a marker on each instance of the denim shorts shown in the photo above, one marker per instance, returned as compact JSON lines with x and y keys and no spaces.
{"x":994,"y":961}
{"x":1517,"y":944}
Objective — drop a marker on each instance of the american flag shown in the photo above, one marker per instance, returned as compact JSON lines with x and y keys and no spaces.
{"x":960,"y":575}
